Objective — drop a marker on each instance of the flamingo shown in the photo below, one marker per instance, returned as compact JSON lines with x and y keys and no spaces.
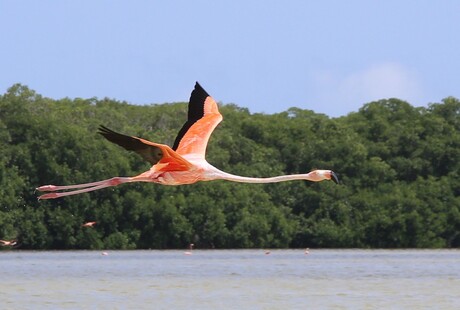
{"x":185,"y":162}
{"x":8,"y":242}
{"x":190,"y":247}
{"x":89,"y":224}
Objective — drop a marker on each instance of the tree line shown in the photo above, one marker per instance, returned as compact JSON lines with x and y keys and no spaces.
{"x":399,"y":167}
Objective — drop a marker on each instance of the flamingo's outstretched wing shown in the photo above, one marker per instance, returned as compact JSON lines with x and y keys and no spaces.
{"x":152,"y":152}
{"x":203,"y":117}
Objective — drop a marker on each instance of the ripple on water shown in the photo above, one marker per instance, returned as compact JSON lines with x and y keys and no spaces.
{"x":231,"y":279}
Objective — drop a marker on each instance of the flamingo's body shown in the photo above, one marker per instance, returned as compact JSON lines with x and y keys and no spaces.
{"x":185,"y":162}
{"x":89,"y":224}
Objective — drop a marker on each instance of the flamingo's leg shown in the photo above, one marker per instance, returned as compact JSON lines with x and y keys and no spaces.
{"x":86,"y":187}
{"x":52,"y":188}
{"x":79,"y":191}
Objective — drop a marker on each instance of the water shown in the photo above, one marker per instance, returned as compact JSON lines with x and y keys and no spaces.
{"x":231,"y":279}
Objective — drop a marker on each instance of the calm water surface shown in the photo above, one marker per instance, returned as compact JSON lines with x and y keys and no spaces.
{"x":231,"y":279}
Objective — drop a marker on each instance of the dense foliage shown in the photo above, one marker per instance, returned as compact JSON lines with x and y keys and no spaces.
{"x":399,"y":166}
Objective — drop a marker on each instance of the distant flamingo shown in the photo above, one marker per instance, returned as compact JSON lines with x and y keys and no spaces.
{"x":190,"y":247}
{"x":307,"y":251}
{"x":185,"y":162}
{"x":89,"y":224}
{"x":8,"y":242}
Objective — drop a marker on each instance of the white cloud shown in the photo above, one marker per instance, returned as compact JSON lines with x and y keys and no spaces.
{"x":385,"y":80}
{"x":349,"y":92}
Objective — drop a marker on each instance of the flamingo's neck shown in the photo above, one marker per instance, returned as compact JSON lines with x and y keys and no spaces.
{"x":281,"y":178}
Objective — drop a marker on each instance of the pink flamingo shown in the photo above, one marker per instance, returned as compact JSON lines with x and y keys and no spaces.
{"x":89,"y":224}
{"x":185,"y":162}
{"x":8,"y":242}
{"x":189,"y":252}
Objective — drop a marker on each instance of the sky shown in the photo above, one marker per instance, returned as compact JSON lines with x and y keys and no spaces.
{"x":331,"y":57}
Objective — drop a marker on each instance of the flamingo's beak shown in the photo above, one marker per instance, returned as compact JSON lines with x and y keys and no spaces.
{"x":334,"y":178}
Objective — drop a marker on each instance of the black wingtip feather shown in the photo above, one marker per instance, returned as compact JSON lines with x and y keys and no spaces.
{"x":195,"y":111}
{"x":127,"y":142}
{"x":104,"y":130}
{"x":150,"y":153}
{"x":200,"y":89}
{"x":196,"y":103}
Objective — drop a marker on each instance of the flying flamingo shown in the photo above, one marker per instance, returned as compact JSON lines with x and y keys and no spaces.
{"x":185,"y":162}
{"x":8,"y":242}
{"x":89,"y":224}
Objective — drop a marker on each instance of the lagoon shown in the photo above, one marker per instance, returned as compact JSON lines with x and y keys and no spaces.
{"x":231,"y":279}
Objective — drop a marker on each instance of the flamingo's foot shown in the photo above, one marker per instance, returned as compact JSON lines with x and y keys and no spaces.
{"x":48,"y":196}
{"x":46,"y":188}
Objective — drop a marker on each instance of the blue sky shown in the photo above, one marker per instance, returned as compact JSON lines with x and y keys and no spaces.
{"x":327,"y":56}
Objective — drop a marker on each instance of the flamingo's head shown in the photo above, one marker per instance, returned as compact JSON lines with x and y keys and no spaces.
{"x":320,"y":175}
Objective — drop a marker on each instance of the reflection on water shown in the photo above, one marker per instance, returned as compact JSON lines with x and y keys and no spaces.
{"x":231,"y":279}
